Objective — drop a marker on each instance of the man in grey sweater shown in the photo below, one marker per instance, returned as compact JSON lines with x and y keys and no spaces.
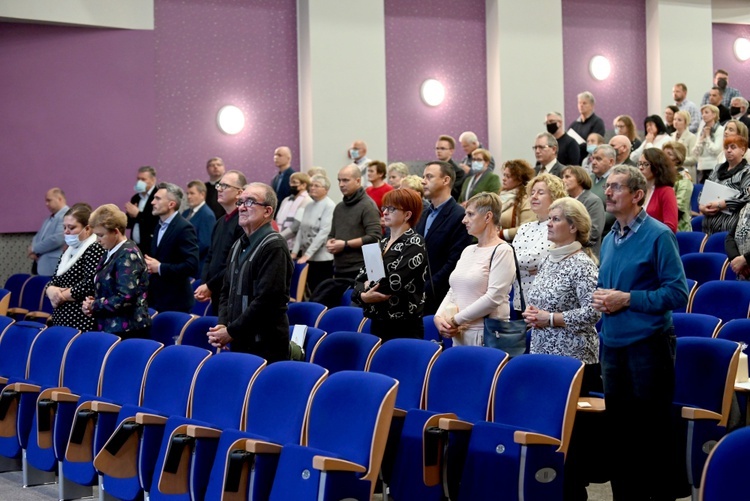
{"x":356,"y":222}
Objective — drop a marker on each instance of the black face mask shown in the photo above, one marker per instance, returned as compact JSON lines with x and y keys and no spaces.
{"x":735,"y":110}
{"x":294,"y":190}
{"x":721,"y":83}
{"x":552,"y":128}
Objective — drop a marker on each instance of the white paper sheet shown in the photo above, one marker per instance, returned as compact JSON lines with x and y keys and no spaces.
{"x":713,"y":191}
{"x":373,"y":262}
{"x":299,"y":333}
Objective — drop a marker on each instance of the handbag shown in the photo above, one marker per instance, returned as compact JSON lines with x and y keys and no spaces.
{"x":509,"y":336}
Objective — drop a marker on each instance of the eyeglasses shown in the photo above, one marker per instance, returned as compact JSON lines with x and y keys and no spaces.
{"x":535,"y":148}
{"x":643,"y":165}
{"x":441,"y":148}
{"x":249,"y":202}
{"x":615,"y":187}
{"x":389,"y":209}
{"x":224,"y":186}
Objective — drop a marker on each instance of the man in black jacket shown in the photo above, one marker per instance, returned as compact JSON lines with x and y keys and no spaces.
{"x":141,"y":219}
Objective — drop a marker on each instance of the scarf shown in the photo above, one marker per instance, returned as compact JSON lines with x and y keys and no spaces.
{"x":557,"y":254}
{"x":71,"y":255}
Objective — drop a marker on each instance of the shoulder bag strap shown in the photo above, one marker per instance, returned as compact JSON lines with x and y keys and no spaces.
{"x":518,"y":273}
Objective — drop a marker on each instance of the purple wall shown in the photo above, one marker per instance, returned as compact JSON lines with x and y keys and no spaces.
{"x":434,"y":39}
{"x":615,"y":29}
{"x":77,"y":113}
{"x":724,"y":36}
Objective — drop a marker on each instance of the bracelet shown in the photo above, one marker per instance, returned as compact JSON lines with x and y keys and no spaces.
{"x":551,"y":319}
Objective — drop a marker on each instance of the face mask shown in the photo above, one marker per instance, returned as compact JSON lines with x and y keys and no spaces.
{"x":735,"y":110}
{"x":477,"y":166}
{"x":354,"y":154}
{"x":552,"y":128}
{"x":721,"y":83}
{"x":294,"y":190}
{"x":590,"y":148}
{"x":72,"y":241}
{"x":140,"y":186}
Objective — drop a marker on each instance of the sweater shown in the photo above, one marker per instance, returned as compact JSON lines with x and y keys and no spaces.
{"x":354,"y":217}
{"x":662,"y":206}
{"x":314,"y":230}
{"x":648,"y":266}
{"x":226,"y":232}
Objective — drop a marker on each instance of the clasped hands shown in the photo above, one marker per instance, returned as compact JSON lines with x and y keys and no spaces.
{"x":535,"y":317}
{"x":610,"y":300}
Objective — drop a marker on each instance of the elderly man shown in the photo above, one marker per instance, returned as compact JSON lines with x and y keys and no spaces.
{"x":215,"y":169}
{"x":173,"y":258}
{"x":568,"y":152}
{"x":356,"y":222}
{"x":641,"y":281}
{"x":141,"y":220}
{"x":252,"y":309}
{"x":623,"y":147}
{"x":358,"y":154}
{"x":47,"y":245}
{"x":201,"y":217}
{"x":470,"y":142}
{"x":588,"y":122}
{"x":545,"y":152}
{"x":716,"y":97}
{"x":282,"y":158}
{"x":444,"y":149}
{"x":602,"y":161}
{"x":738,"y":110}
{"x":721,"y":80}
{"x":679,"y":93}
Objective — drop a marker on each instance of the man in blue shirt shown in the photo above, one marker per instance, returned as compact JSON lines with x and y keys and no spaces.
{"x":641,"y":280}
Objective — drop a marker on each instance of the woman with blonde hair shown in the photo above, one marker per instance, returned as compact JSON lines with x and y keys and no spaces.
{"x":683,"y":135}
{"x":734,"y":128}
{"x":396,"y":172}
{"x":515,"y":202}
{"x":710,"y":142}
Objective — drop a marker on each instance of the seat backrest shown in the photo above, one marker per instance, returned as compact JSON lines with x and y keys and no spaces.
{"x":346,"y":297}
{"x":312,"y":339}
{"x":431,"y":333}
{"x":341,"y":351}
{"x":697,"y":222}
{"x":539,"y":392}
{"x":305,"y":313}
{"x":341,"y":318}
{"x":5,"y":322}
{"x":15,"y":285}
{"x":83,"y":366}
{"x":125,"y":370}
{"x":726,"y":467}
{"x":692,"y":286}
{"x":33,"y":292}
{"x":724,"y":299}
{"x":356,"y":431}
{"x":195,"y":332}
{"x":167,"y":326}
{"x":280,"y":399}
{"x":4,"y":302}
{"x":695,"y":324}
{"x":409,"y":362}
{"x":690,"y":241}
{"x":704,"y":267}
{"x":15,"y":346}
{"x":47,"y":355}
{"x":199,"y":308}
{"x":223,"y":404}
{"x":462,"y":381}
{"x":715,"y":242}
{"x":737,"y":330}
{"x":299,"y":281}
{"x":705,"y":371}
{"x":695,"y":197}
{"x":170,"y":379}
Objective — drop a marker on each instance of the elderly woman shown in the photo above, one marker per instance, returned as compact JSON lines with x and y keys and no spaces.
{"x":480,"y":178}
{"x":397,"y":171}
{"x":289,"y":215}
{"x":683,"y":135}
{"x":73,"y":280}
{"x":683,"y":186}
{"x":656,"y":136}
{"x":395,"y":303}
{"x":660,"y":201}
{"x":309,"y":244}
{"x":577,"y":183}
{"x":414,"y":182}
{"x":624,"y":126}
{"x":516,"y":208}
{"x":709,"y":143}
{"x":592,"y":142}
{"x":481,"y":282}
{"x":722,"y":215}
{"x":118,"y":304}
{"x":531,"y":242}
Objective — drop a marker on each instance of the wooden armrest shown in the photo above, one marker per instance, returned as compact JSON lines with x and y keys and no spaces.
{"x":324,"y":463}
{"x":17,"y":311}
{"x":25,"y":387}
{"x":399,"y":413}
{"x":105,"y":407}
{"x":64,"y":396}
{"x":694,"y":413}
{"x":146,"y":419}
{"x":530,"y":438}
{"x":3,"y":380}
{"x":591,"y":404}
{"x":37,"y":314}
{"x":202,"y":432}
{"x":262,"y":447}
{"x":451,"y":424}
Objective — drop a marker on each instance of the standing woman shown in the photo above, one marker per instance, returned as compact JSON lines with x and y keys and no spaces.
{"x":118,"y":304}
{"x":73,"y":280}
{"x":480,"y":178}
{"x":481,"y":282}
{"x":578,"y":185}
{"x":624,"y":126}
{"x":683,"y":136}
{"x":722,"y":215}
{"x":660,"y":200}
{"x":395,"y":303}
{"x":669,"y":112}
{"x":656,"y":136}
{"x":514,"y":199}
{"x":397,"y":171}
{"x":708,"y":145}
{"x":683,"y":185}
{"x":289,"y":215}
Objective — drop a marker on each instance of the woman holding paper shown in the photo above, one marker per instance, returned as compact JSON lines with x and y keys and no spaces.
{"x":395,"y":302}
{"x":723,"y":214}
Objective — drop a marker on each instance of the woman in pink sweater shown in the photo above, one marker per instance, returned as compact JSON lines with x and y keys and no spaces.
{"x":660,"y":201}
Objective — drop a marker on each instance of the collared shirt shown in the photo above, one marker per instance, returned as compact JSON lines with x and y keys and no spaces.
{"x":695,"y":115}
{"x":114,"y":249}
{"x":229,"y":215}
{"x":163,"y":227}
{"x":729,"y":94}
{"x":548,"y":167}
{"x":598,"y":179}
{"x":432,"y":215}
{"x":195,"y":210}
{"x":622,"y":234}
{"x":136,"y":233}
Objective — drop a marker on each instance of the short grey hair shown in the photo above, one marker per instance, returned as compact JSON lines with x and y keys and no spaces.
{"x":469,"y":137}
{"x":742,"y":100}
{"x":174,"y":192}
{"x":607,"y":150}
{"x":551,"y":141}
{"x":554,"y":114}
{"x":588,"y":96}
{"x":636,"y":180}
{"x":269,"y":196}
{"x":399,"y":167}
{"x":322,"y":180}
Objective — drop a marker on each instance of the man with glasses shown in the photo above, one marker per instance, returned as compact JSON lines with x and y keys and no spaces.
{"x":641,"y":280}
{"x":602,"y":161}
{"x":444,"y":149}
{"x":545,"y":152}
{"x":568,"y":152}
{"x":356,"y":222}
{"x":226,"y":231}
{"x":253,"y":304}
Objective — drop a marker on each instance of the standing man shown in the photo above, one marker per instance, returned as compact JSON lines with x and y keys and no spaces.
{"x":470,"y":142}
{"x":641,"y":280}
{"x":443,"y":231}
{"x":282,"y":157}
{"x":679,"y":93}
{"x":716,"y":98}
{"x":721,"y":80}
{"x":215,"y":169}
{"x":545,"y":152}
{"x":602,"y":161}
{"x":226,"y":231}
{"x":444,"y":149}
{"x":252,"y":310}
{"x":46,"y":246}
{"x":173,"y":259}
{"x":356,"y":222}
{"x":738,"y":110}
{"x":568,"y":152}
{"x":588,"y":122}
{"x":141,"y":220}
{"x":358,"y":154}
{"x":201,"y":217}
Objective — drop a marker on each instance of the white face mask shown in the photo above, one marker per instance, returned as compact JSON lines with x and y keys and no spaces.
{"x":477,"y":166}
{"x":140,"y":186}
{"x":354,"y":153}
{"x":72,"y":241}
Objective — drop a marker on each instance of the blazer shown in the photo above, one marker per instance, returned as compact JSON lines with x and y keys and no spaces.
{"x":146,"y":221}
{"x":556,"y":169}
{"x":445,"y":242}
{"x":48,"y":243}
{"x":203,"y":221}
{"x":595,"y":208}
{"x":488,"y":182}
{"x":169,"y":289}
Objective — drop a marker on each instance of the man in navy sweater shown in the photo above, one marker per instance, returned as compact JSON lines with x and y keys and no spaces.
{"x":641,"y":280}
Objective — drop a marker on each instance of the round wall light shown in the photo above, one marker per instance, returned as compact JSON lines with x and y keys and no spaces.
{"x":231,"y":120}
{"x":432,"y":92}
{"x":742,"y":49}
{"x":599,"y":67}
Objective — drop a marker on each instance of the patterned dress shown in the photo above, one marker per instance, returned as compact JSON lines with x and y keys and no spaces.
{"x":531,"y":246}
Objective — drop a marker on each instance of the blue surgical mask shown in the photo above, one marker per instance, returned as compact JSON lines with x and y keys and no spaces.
{"x":590,"y":148}
{"x":72,"y":241}
{"x":354,"y":153}
{"x":477,"y":166}
{"x":140,"y":186}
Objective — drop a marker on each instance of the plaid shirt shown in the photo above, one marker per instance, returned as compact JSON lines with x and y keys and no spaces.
{"x":622,"y":234}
